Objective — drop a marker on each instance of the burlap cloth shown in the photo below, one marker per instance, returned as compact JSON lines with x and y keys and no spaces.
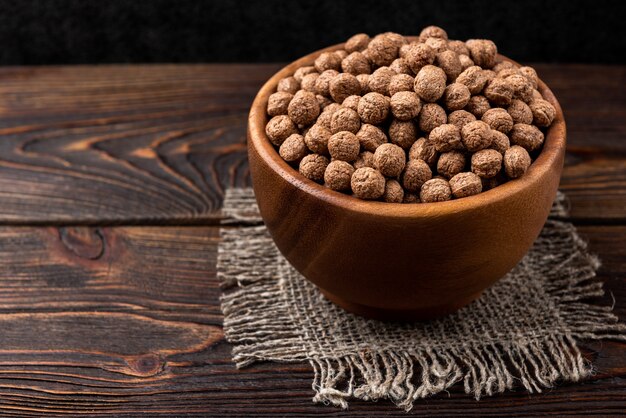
{"x":522,"y":331}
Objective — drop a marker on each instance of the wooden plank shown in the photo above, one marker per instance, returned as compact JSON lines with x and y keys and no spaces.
{"x":119,"y":321}
{"x":123,"y":143}
{"x":593,"y":98}
{"x":159,"y":143}
{"x":594,"y":102}
{"x":595,"y":183}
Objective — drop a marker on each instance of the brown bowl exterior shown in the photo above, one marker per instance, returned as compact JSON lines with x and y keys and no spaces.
{"x":399,"y":261}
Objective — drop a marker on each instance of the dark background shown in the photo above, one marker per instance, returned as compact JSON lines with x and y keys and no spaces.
{"x":110,"y":31}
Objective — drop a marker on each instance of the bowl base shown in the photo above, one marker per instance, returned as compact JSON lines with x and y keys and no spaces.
{"x":384,"y":314}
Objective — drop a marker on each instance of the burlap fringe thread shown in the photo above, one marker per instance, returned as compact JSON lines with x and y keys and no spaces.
{"x":502,"y":338}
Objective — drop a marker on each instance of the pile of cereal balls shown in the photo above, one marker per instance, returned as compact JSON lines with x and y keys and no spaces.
{"x":392,"y":119}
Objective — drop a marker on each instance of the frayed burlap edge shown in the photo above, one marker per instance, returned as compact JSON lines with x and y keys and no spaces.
{"x":262,"y":325}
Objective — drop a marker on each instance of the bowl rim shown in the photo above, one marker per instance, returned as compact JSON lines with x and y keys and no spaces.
{"x":549,"y":159}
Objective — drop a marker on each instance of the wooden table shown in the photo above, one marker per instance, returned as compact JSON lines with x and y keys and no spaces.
{"x":111,"y":181}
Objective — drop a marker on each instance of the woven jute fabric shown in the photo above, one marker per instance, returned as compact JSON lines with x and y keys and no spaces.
{"x":521,"y":331}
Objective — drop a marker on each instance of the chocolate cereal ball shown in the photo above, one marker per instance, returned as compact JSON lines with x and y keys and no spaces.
{"x":459,"y":47}
{"x":478,"y":105}
{"x":476,"y":136}
{"x":502,"y":65}
{"x":289,"y":85}
{"x":405,"y":105}
{"x":489,"y":75}
{"x":446,"y":138}
{"x":325,"y":117}
{"x":316,"y":139}
{"x":486,"y":163}
{"x":343,"y":146}
{"x":526,"y":136}
{"x":460,"y":118}
{"x":416,"y":173}
{"x":419,"y":55}
{"x":400,"y":66}
{"x":449,"y":62}
{"x":327,"y":61}
{"x":367,"y":183}
{"x":543,"y":112}
{"x":342,"y":86}
{"x":411,"y":198}
{"x":402,"y":133}
{"x":465,"y":61}
{"x":394,"y":193}
{"x":433,"y":32}
{"x":278,"y":103}
{"x":302,"y":71}
{"x":492,"y":182}
{"x":404,"y":49}
{"x":456,"y":96}
{"x":506,"y":72}
{"x":313,"y":166}
{"x":322,"y":84}
{"x":382,"y":50}
{"x":473,"y":78}
{"x":400,"y":82}
{"x":498,"y":119}
{"x":342,"y":53}
{"x":520,"y":112}
{"x":357,"y":42}
{"x":389,"y":160}
{"x":450,"y":164}
{"x":522,"y":88}
{"x":352,"y":102}
{"x":323,"y":101}
{"x":422,"y":149}
{"x":396,"y":38}
{"x":373,"y":108}
{"x":367,"y":54}
{"x":435,"y":190}
{"x":303,"y":108}
{"x":437,"y":44}
{"x":379,"y":80}
{"x":499,"y":91}
{"x":338,"y":175}
{"x":293,"y":148}
{"x":430,"y":83}
{"x":364,"y":81}
{"x":431,"y":116}
{"x":531,"y":75}
{"x":370,"y":137}
{"x":328,"y":111}
{"x":365,"y":159}
{"x":345,"y":119}
{"x":356,"y":64}
{"x":280,"y":128}
{"x":516,"y":161}
{"x":465,"y":184}
{"x":308,"y":82}
{"x":499,"y":141}
{"x":483,"y":52}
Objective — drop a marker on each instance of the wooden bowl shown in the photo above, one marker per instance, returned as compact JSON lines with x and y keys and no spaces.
{"x":393,"y":260}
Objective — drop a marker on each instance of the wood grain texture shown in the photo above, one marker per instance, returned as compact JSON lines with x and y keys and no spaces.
{"x":122,"y":144}
{"x":123,"y":321}
{"x":158,"y":144}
